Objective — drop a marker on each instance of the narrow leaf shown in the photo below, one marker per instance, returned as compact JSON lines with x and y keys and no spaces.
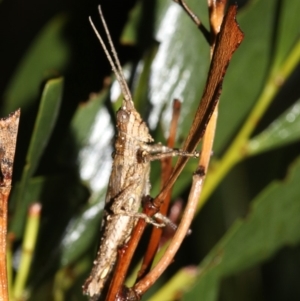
{"x":44,"y":124}
{"x":283,"y":131}
{"x":47,"y":57}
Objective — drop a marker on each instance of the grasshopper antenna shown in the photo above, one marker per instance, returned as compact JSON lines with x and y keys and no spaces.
{"x":113,"y":59}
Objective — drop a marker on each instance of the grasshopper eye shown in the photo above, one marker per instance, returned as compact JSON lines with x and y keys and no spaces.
{"x":123,"y":116}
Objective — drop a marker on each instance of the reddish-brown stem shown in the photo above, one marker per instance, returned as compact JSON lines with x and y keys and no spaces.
{"x":8,"y":138}
{"x":166,"y":165}
{"x":4,"y":193}
{"x":125,"y":255}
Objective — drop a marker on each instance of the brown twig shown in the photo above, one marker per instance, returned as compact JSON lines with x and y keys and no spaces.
{"x":195,"y":19}
{"x":123,"y":262}
{"x":8,"y":138}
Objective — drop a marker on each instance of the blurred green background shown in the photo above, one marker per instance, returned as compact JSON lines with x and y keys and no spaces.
{"x":245,"y":240}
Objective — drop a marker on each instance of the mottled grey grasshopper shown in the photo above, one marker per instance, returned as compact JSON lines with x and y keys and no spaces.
{"x":129,"y":179}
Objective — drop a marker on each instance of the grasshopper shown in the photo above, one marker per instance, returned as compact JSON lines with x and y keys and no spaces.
{"x":129,"y":180}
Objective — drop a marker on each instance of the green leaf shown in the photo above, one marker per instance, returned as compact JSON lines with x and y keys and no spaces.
{"x":44,"y":124}
{"x":272,"y":223}
{"x":47,"y":57}
{"x":85,"y":117}
{"x":92,"y":131}
{"x":184,"y":278}
{"x":282,"y":131}
{"x":180,"y":67}
{"x":81,"y":231}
